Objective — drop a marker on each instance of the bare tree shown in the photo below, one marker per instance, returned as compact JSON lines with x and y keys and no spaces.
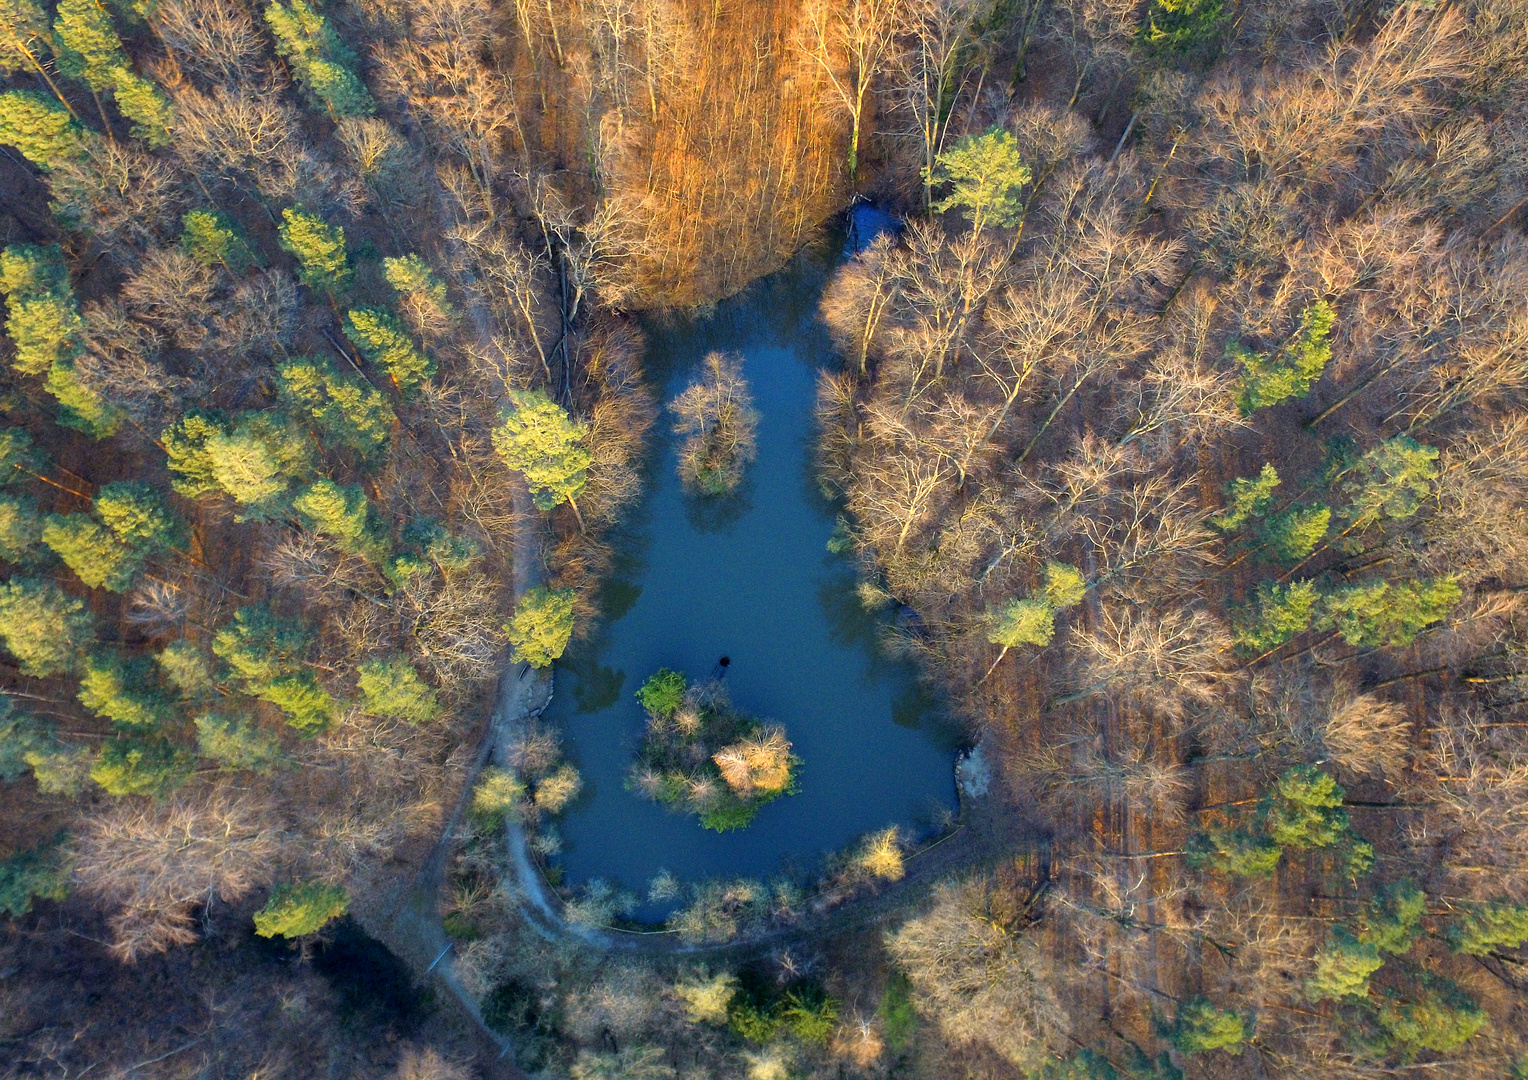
{"x":850,"y":43}
{"x":156,"y":861}
{"x":215,"y":39}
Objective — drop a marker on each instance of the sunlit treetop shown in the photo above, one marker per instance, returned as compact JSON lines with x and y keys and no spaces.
{"x":986,"y":177}
{"x":537,"y":438}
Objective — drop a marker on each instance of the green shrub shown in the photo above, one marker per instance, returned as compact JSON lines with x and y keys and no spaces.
{"x":898,"y":1014}
{"x":511,"y":1007}
{"x":810,"y":1014}
{"x":1083,"y":1065}
{"x":1183,"y":28}
{"x":662,"y":693}
{"x":497,"y":797}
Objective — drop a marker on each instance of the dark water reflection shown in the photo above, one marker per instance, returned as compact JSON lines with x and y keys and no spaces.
{"x":749,"y":577}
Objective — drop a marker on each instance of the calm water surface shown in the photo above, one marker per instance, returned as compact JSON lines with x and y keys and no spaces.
{"x":750,"y":578}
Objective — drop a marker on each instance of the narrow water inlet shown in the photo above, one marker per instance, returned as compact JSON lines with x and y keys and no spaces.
{"x":745,"y":588}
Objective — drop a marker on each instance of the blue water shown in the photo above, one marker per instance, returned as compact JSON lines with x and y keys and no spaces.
{"x":750,"y":578}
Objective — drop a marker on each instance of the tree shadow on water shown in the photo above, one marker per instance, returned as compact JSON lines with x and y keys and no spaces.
{"x":849,"y":623}
{"x":597,"y":688}
{"x":718,"y":513}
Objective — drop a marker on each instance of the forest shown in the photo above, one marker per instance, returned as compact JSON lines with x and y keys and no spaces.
{"x":1180,"y":421}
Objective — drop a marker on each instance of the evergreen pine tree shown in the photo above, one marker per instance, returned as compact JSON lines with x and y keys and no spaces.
{"x":1485,"y":928}
{"x":141,"y":765}
{"x":421,"y":293}
{"x":124,"y":691}
{"x":265,"y":655}
{"x":20,"y":529}
{"x":1386,"y":613}
{"x":130,"y":526}
{"x":1292,"y":371}
{"x":1343,"y":968}
{"x":26,"y":40}
{"x":392,"y":688}
{"x":342,"y":515}
{"x":1389,"y":482}
{"x":382,"y":340}
{"x":541,"y":626}
{"x":43,"y":130}
{"x":1294,"y":534}
{"x":1201,"y":1027}
{"x":145,"y":105}
{"x":986,"y":175}
{"x":43,"y":627}
{"x":41,"y":873}
{"x":238,"y":744}
{"x":1246,"y":497}
{"x":1433,"y":1015}
{"x":297,"y":910}
{"x":537,"y":437}
{"x":319,"y":249}
{"x":41,"y":318}
{"x":349,"y":411}
{"x":212,"y":238}
{"x":319,"y":61}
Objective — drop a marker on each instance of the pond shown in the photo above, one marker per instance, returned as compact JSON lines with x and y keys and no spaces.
{"x":749,"y":578}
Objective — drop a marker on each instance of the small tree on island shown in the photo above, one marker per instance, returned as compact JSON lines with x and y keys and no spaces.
{"x":716,"y":416}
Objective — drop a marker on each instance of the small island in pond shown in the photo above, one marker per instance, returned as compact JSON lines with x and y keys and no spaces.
{"x":702,"y":756}
{"x":716,"y":416}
